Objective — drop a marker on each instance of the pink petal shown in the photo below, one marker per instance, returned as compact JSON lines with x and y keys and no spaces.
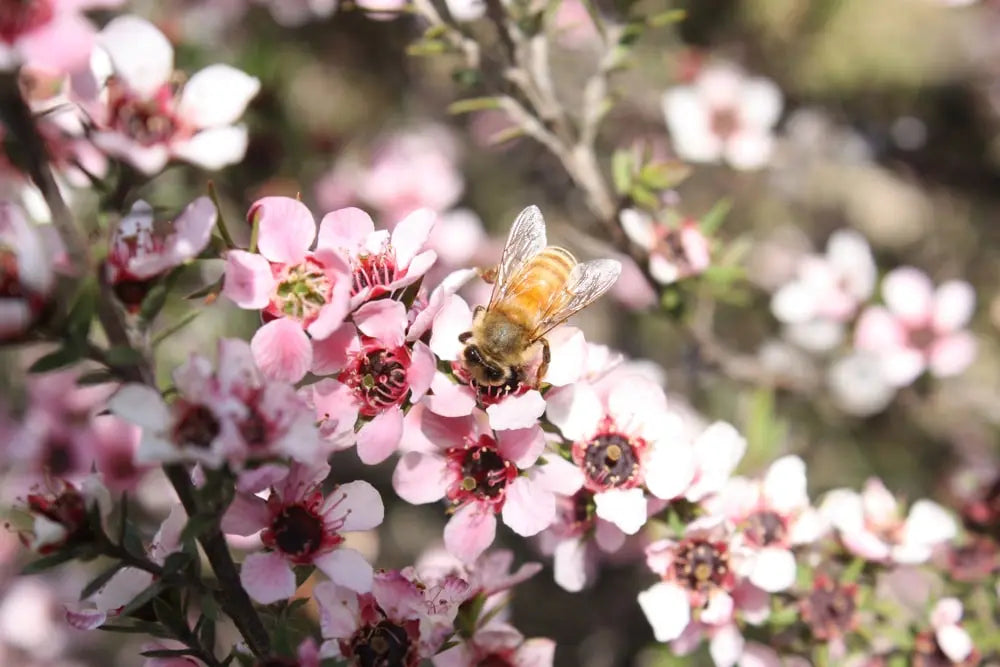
{"x":339,"y":609}
{"x":286,"y":228}
{"x":570,"y":565}
{"x":470,"y":532}
{"x":667,"y":610}
{"x":440,"y":296}
{"x":719,"y":609}
{"x":516,"y":412}
{"x":952,"y":354}
{"x":384,"y":320}
{"x":332,"y":315}
{"x":785,"y":485}
{"x":452,"y":320}
{"x":726,"y":645}
{"x":717,"y":450}
{"x":249,"y":282}
{"x":947,"y":611}
{"x":358,"y":503}
{"x":346,"y":229}
{"x":141,"y":55}
{"x":569,"y":354}
{"x":411,"y":233}
{"x":449,"y":399}
{"x":909,"y":294}
{"x":559,"y":475}
{"x":63,"y":45}
{"x":330,"y":354}
{"x":866,"y":544}
{"x":336,"y":408}
{"x":245,"y":516}
{"x":282,"y":350}
{"x":217,"y":95}
{"x":193,"y":229}
{"x":773,"y":570}
{"x":575,"y":410}
{"x":529,"y":508}
{"x":420,"y":478}
{"x":347,"y":568}
{"x":379,"y":438}
{"x":928,"y":523}
{"x":267,"y":577}
{"x":954,"y":303}
{"x":955,"y":643}
{"x":421,"y":371}
{"x":85,"y":619}
{"x":901,"y":366}
{"x":522,"y":446}
{"x":878,"y":330}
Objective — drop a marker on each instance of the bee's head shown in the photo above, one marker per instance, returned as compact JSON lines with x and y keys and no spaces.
{"x":482,"y":370}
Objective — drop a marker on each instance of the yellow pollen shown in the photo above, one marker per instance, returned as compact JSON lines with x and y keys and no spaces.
{"x":469,"y":483}
{"x":614,"y":452}
{"x":702,"y":571}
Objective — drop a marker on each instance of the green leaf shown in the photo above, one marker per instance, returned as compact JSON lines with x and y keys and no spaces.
{"x":50,"y":561}
{"x":196,"y":526}
{"x":711,"y":221}
{"x":143,"y":598}
{"x":187,"y":319}
{"x":170,"y":616}
{"x":168,"y":653}
{"x":207,"y":634}
{"x":211,"y":288}
{"x":176,"y":562}
{"x":64,"y":356}
{"x":154,"y":301}
{"x":473,"y":104}
{"x":121,"y":356}
{"x":81,"y":315}
{"x":621,"y":171}
{"x":666,"y":18}
{"x":643,"y":196}
{"x":427,"y":47}
{"x":663,"y":175}
{"x":138,"y":628}
{"x":98,"y":582}
{"x":95,"y":377}
{"x":209,"y":607}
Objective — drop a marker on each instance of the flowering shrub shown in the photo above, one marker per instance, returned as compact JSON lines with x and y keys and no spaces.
{"x":215,"y":429}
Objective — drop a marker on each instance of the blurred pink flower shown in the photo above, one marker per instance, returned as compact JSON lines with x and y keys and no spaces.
{"x":573,"y":26}
{"x":498,"y":643}
{"x":466,"y":10}
{"x":401,"y":622}
{"x":771,"y":516}
{"x":697,"y":581}
{"x":48,"y":33}
{"x":489,"y":575}
{"x":143,"y":248}
{"x":674,"y":253}
{"x":381,"y":368}
{"x":380,"y":263}
{"x":26,"y":275}
{"x":481,"y":473}
{"x":919,"y":328}
{"x":826,"y":291}
{"x":858,"y":384}
{"x":950,"y":637}
{"x":144,"y":117}
{"x":299,"y":290}
{"x":871,"y":524}
{"x":724,"y":115}
{"x":301,"y":526}
{"x":294,"y":13}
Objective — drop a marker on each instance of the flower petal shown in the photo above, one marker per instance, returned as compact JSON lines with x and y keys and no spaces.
{"x":214,"y":148}
{"x":517,"y":412}
{"x":773,"y":569}
{"x":347,"y":568}
{"x":282,"y":350}
{"x":249,"y":282}
{"x":624,"y":508}
{"x":529,"y":508}
{"x":358,"y":503}
{"x":909,"y":294}
{"x":420,"y":478}
{"x":384,"y":320}
{"x":452,"y":320}
{"x":286,"y":228}
{"x":470,"y":532}
{"x":217,"y":95}
{"x":141,"y":55}
{"x":667,"y":610}
{"x":267,"y":577}
{"x":142,"y":405}
{"x":245,"y":516}
{"x":345,"y":229}
{"x":379,"y":438}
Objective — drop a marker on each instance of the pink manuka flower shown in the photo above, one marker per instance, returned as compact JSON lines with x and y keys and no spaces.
{"x":48,"y":33}
{"x":771,"y":516}
{"x":674,"y":253}
{"x":871,"y":524}
{"x":224,"y":416}
{"x":300,"y":291}
{"x":26,"y":275}
{"x":61,"y":514}
{"x":481,"y":473}
{"x":301,"y":526}
{"x":145,"y":117}
{"x":498,"y":643}
{"x":143,"y":249}
{"x":826,"y":291}
{"x":697,"y":581}
{"x":724,"y":115}
{"x":380,"y":263}
{"x":920,"y":328}
{"x":400,"y":622}
{"x":489,"y":575}
{"x":625,"y":441}
{"x":950,"y":638}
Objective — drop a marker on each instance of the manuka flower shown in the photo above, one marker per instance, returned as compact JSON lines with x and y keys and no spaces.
{"x":871,"y":524}
{"x":62,"y":514}
{"x":379,"y":263}
{"x":381,"y":367}
{"x":143,"y":248}
{"x":26,"y":275}
{"x":301,"y":526}
{"x":300,"y":291}
{"x":145,"y":116}
{"x":674,"y":253}
{"x":481,"y":473}
{"x":920,"y":328}
{"x":949,"y":643}
{"x":400,"y":622}
{"x":771,"y":517}
{"x":498,"y":643}
{"x":52,"y":34}
{"x":724,"y":115}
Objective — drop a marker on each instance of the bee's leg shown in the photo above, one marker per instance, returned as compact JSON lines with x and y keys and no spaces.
{"x":463,"y":337}
{"x":477,"y":310}
{"x":489,"y":274}
{"x":546,"y":358}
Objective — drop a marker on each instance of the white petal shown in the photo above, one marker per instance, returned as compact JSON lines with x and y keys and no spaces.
{"x":625,"y":509}
{"x":217,"y":95}
{"x":909,"y":294}
{"x":667,"y":610}
{"x":785,"y":484}
{"x":670,"y":469}
{"x":773,"y":570}
{"x":140,"y":405}
{"x":928,"y":523}
{"x":570,"y":565}
{"x":214,"y":148}
{"x":141,"y":55}
{"x":954,"y":302}
{"x":358,"y":503}
{"x":347,"y":568}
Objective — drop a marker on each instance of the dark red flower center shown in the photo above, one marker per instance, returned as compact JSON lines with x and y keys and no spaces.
{"x":378,"y":379}
{"x":197,"y":426}
{"x":297,"y":531}
{"x":481,"y":472}
{"x":10,"y":281}
{"x":68,"y":509}
{"x":149,"y":121}
{"x":922,"y":338}
{"x":20,"y":16}
{"x":829,"y":609}
{"x":375,"y":271}
{"x":701,"y":565}
{"x":765,"y":528}
{"x":610,"y":460}
{"x":60,"y":456}
{"x":254,"y":428}
{"x":495,"y":660}
{"x":132,"y":292}
{"x":724,"y":122}
{"x":383,"y":645}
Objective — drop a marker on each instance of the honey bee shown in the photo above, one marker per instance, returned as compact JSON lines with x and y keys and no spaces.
{"x":537,"y":287}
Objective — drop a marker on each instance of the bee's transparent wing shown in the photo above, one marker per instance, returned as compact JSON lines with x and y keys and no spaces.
{"x":585,"y":284}
{"x":526,"y":239}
